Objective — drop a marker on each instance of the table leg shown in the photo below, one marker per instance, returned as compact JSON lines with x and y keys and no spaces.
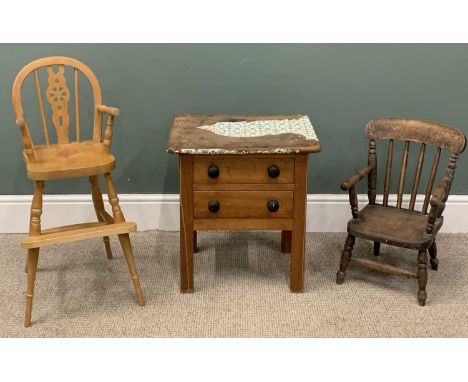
{"x":195,"y":246}
{"x":186,"y":223}
{"x":299,"y":217}
{"x":286,"y":241}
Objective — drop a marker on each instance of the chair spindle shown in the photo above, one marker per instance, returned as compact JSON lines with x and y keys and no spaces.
{"x":41,"y":106}
{"x":77,"y":106}
{"x":388,"y":172}
{"x":372,"y":177}
{"x":401,"y":184}
{"x":430,"y":182}
{"x":417,"y":177}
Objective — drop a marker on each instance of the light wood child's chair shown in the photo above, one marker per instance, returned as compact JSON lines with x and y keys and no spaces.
{"x":67,"y":159}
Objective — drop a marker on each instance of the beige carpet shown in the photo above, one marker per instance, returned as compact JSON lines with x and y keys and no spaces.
{"x":241,"y":282}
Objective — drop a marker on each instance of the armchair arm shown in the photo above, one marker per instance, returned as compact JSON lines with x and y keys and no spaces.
{"x":438,"y":199}
{"x":349,"y":186}
{"x":113,"y":111}
{"x":350,"y":182}
{"x":26,"y":138}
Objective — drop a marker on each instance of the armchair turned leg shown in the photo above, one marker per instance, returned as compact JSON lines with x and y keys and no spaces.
{"x":433,"y":253}
{"x":33,"y":257}
{"x":376,"y":248}
{"x":422,"y":277}
{"x":345,"y":258}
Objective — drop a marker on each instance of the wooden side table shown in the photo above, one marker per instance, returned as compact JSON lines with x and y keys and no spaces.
{"x":243,"y":172}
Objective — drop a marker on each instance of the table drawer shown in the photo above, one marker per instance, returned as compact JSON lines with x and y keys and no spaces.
{"x":243,"y":204}
{"x":243,"y":170}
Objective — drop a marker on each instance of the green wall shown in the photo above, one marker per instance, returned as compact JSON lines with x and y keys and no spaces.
{"x":339,"y":86}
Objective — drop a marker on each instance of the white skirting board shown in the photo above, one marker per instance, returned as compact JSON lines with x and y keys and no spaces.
{"x":325,"y":212}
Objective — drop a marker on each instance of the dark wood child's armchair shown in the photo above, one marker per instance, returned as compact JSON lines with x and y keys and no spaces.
{"x":396,"y":225}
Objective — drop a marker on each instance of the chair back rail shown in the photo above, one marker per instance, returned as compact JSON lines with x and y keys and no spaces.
{"x":412,"y":132}
{"x":58,"y":97}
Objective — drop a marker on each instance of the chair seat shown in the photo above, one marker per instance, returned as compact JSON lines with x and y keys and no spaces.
{"x":69,"y":160}
{"x":394,"y":226}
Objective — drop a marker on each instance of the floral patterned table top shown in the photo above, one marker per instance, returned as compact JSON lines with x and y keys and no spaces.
{"x":233,"y":134}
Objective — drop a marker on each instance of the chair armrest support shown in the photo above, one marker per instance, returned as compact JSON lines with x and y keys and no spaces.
{"x":438,"y":199}
{"x":353,"y":201}
{"x":113,"y":111}
{"x":350,"y":182}
{"x":26,"y":138}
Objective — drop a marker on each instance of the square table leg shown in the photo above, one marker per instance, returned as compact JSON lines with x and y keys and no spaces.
{"x":299,"y":218}
{"x":186,"y":223}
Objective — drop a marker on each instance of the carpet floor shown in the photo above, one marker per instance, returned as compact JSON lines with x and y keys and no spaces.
{"x":241,"y":290}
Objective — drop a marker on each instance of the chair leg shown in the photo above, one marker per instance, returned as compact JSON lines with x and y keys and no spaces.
{"x":376,"y":248}
{"x":128,"y":253}
{"x":100,"y":210}
{"x":33,"y":257}
{"x":422,"y":277}
{"x":433,"y":253}
{"x":345,"y":257}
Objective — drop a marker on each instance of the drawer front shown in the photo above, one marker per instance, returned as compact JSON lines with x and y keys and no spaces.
{"x":243,"y":170}
{"x":243,"y":204}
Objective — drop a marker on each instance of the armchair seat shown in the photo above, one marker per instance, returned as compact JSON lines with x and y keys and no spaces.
{"x":69,"y":160}
{"x":394,"y":226}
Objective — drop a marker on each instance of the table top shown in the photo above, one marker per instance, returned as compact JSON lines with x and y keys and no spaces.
{"x":242,"y":134}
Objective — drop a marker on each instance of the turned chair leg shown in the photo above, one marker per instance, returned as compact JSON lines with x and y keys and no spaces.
{"x":422,"y":277}
{"x":124,"y":238}
{"x":345,"y":258}
{"x":433,"y":253}
{"x":100,"y":210}
{"x":128,"y":253}
{"x":376,"y":248}
{"x":33,"y":257}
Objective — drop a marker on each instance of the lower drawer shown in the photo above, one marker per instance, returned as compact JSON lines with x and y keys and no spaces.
{"x":243,"y":204}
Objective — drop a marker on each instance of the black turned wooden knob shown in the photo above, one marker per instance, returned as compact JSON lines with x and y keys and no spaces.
{"x":213,"y":205}
{"x":213,"y":172}
{"x":273,"y":205}
{"x":273,"y":171}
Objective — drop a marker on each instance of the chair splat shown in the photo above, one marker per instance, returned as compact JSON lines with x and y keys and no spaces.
{"x":58,"y":96}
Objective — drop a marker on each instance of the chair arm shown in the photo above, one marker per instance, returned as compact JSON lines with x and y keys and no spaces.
{"x":26,"y":138}
{"x":441,"y":191}
{"x":350,"y":182}
{"x":438,"y":199}
{"x":20,"y":122}
{"x":113,"y":111}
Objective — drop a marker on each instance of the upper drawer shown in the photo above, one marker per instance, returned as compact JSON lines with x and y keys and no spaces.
{"x":243,"y":169}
